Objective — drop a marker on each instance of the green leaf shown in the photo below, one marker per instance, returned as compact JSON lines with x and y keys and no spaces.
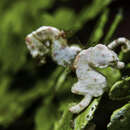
{"x":120,"y":119}
{"x":85,"y":117}
{"x":98,"y":31}
{"x":62,"y":79}
{"x":113,"y":27}
{"x":65,"y":122}
{"x":125,"y":56}
{"x":120,"y":90}
{"x":128,"y":66}
{"x":112,"y":75}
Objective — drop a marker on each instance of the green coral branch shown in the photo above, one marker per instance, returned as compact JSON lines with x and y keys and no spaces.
{"x":113,"y":27}
{"x":120,"y":119}
{"x":62,"y":78}
{"x":108,"y":73}
{"x":66,"y":120}
{"x":98,"y":31}
{"x":85,"y":117}
{"x":120,"y":90}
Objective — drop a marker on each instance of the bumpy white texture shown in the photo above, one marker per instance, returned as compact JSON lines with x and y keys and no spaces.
{"x":49,"y":40}
{"x":90,"y":82}
{"x":64,"y":55}
{"x":36,"y":48}
{"x":120,"y":41}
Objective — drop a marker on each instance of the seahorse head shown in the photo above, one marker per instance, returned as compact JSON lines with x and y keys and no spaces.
{"x":40,"y":42}
{"x":51,"y":41}
{"x":102,"y":57}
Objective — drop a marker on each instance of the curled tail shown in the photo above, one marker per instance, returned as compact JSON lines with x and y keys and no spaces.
{"x":120,"y":41}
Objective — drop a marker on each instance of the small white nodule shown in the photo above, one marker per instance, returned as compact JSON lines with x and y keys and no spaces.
{"x":120,"y":65}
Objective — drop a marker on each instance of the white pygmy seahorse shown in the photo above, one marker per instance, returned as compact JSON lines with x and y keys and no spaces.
{"x":90,"y":82}
{"x":51,"y":41}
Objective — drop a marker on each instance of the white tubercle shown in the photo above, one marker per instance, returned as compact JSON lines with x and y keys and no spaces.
{"x":120,"y":65}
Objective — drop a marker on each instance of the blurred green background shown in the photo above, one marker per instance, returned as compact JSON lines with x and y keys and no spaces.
{"x":34,"y":96}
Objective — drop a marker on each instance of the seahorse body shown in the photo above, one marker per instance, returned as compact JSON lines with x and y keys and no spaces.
{"x":90,"y":82}
{"x":51,"y":41}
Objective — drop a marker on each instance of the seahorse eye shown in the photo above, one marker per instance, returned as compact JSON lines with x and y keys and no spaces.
{"x":39,"y":34}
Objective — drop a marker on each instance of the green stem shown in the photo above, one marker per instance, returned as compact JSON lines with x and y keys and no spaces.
{"x":113,"y":27}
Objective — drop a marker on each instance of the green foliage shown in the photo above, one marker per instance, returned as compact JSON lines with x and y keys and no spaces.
{"x":113,"y":27}
{"x":66,"y":122}
{"x":15,"y":103}
{"x":84,"y":118}
{"x":120,"y":90}
{"x":42,"y":120}
{"x":49,"y":83}
{"x":98,"y":31}
{"x":93,"y":10}
{"x":120,"y":119}
{"x":125,"y":56}
{"x":112,"y":75}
